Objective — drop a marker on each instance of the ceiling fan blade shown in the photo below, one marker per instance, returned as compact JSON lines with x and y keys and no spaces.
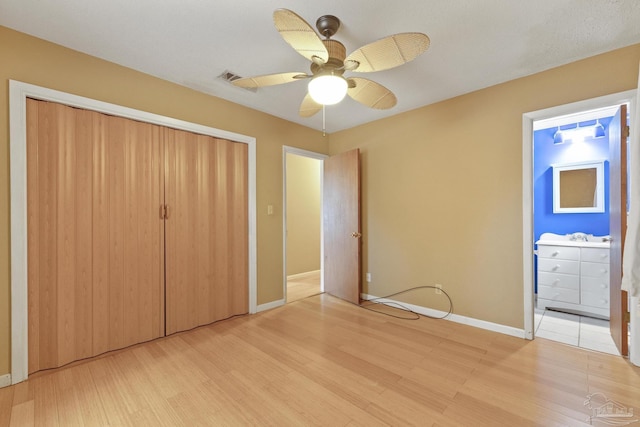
{"x":300,"y":35}
{"x":309,"y":107}
{"x":268,"y":80}
{"x":388,"y":52}
{"x":371,"y":94}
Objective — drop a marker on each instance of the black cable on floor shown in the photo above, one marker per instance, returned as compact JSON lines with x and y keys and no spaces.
{"x":399,"y":306}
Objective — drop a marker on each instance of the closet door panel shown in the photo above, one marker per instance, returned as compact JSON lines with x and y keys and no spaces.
{"x":187,"y":277}
{"x":202,"y":191}
{"x":205,"y":294}
{"x":230,"y":232}
{"x":135,"y":233}
{"x":148,"y":256}
{"x":101,"y":230}
{"x":238,"y":227}
{"x":59,"y":253}
{"x":66,"y":242}
{"x":94,"y":234}
{"x":116,"y":188}
{"x":42,"y":132}
{"x":221,"y":242}
{"x":180,"y":228}
{"x":82,"y":267}
{"x":34,"y":174}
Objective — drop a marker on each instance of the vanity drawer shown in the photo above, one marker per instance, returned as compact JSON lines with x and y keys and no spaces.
{"x":594,"y":269}
{"x":595,"y":300}
{"x":558,"y":280}
{"x":558,"y":266}
{"x":559,"y":294}
{"x":595,"y":284}
{"x":558,"y":252}
{"x":595,"y":255}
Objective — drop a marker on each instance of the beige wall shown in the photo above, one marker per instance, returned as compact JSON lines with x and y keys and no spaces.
{"x":303,"y":214}
{"x":34,"y":61}
{"x":442,"y":187}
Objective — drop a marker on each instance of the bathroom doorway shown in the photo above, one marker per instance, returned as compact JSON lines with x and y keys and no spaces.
{"x":302,"y":226}
{"x":566,"y":135}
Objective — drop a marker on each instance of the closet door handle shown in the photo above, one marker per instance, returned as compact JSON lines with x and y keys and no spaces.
{"x":164,"y":211}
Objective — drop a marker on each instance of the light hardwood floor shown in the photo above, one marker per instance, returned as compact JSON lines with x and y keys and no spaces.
{"x":322,"y":361}
{"x":302,"y":286}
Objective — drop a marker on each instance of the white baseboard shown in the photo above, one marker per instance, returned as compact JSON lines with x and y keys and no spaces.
{"x":270,"y":305}
{"x":495,"y":327}
{"x":303,"y":275}
{"x":5,"y":380}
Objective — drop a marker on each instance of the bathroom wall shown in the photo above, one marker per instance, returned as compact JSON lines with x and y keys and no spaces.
{"x":545,"y":154}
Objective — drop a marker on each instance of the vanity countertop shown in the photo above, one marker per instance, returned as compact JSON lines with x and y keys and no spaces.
{"x":588,"y":241}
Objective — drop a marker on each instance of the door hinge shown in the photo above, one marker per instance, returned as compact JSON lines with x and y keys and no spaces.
{"x":626,"y":317}
{"x":626,"y":132}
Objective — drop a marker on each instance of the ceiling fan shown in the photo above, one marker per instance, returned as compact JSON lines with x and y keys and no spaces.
{"x":329,"y":62}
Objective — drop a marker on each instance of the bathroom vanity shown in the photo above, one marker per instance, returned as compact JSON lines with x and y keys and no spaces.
{"x":573,"y":273}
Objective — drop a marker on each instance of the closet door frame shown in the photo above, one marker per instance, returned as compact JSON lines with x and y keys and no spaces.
{"x":18,"y":94}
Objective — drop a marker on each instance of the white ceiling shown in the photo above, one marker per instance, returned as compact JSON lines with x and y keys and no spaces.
{"x":474,"y":43}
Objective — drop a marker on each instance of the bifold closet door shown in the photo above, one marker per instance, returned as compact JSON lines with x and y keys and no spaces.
{"x":95,"y":237}
{"x":206,"y":229}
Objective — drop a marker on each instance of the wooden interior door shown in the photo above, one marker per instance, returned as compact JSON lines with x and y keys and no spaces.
{"x":618,"y":132}
{"x":95,"y":242}
{"x":206,"y":229}
{"x":341,"y":226}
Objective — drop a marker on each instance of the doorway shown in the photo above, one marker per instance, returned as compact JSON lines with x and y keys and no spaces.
{"x":302,"y":217}
{"x":569,"y":326}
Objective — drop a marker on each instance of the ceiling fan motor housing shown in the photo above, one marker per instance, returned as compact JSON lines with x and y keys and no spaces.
{"x":334,"y":65}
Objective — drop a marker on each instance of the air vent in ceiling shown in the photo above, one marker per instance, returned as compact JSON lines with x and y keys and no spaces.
{"x":229,"y":77}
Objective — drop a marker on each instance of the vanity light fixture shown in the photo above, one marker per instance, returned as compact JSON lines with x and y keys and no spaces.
{"x":557,"y":137}
{"x":599,"y":130}
{"x":579,"y":133}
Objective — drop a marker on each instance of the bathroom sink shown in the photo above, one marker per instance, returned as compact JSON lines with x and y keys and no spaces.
{"x":581,"y":240}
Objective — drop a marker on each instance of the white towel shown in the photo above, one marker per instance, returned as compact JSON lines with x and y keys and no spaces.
{"x":631,"y":259}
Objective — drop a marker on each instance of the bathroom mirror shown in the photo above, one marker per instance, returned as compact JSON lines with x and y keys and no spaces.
{"x":578,"y":187}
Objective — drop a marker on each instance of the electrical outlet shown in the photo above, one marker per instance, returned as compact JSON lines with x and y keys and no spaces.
{"x":368,"y":277}
{"x":438,"y":287}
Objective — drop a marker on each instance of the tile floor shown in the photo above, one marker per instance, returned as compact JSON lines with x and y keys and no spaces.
{"x":580,"y":331}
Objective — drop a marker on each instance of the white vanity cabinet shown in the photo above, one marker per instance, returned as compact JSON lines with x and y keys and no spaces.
{"x":573,"y":274}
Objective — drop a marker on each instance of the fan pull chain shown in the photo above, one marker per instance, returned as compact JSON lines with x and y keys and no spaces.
{"x":323,"y":122}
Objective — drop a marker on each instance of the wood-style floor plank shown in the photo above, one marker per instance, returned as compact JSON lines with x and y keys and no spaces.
{"x":303,"y":285}
{"x":321,"y":361}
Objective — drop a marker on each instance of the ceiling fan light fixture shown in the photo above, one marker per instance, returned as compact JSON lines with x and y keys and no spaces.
{"x":328,"y":89}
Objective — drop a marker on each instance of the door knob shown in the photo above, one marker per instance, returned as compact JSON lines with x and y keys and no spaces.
{"x":356,"y":234}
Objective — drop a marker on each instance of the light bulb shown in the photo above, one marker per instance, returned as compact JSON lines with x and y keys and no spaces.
{"x":328,"y":89}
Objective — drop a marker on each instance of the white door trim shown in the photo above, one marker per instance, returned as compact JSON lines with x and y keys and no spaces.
{"x":18,"y":94}
{"x":313,"y":155}
{"x":627,"y":97}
